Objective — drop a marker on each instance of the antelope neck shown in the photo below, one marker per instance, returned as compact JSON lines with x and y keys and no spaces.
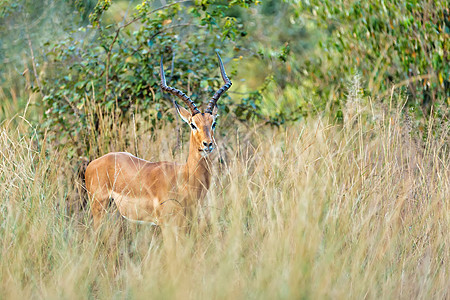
{"x":197,"y":165}
{"x":197,"y":170}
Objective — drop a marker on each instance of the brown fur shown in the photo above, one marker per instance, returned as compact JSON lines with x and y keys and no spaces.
{"x":153,"y":191}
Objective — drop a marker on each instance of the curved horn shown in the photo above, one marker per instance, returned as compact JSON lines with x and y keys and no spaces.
{"x":222,"y":90}
{"x":176,"y":92}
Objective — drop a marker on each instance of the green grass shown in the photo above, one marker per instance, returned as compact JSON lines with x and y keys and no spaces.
{"x":312,"y":210}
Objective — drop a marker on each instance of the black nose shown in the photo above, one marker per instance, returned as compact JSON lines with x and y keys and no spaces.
{"x":206,"y":144}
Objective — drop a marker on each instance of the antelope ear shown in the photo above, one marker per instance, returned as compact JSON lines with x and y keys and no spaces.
{"x":184,"y":113}
{"x":215,"y":111}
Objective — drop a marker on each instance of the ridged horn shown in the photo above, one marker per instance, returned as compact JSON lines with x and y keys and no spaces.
{"x":176,"y":92}
{"x":223,"y":89}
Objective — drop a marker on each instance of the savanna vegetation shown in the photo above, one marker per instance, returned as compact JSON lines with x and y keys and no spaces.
{"x":331,"y":173}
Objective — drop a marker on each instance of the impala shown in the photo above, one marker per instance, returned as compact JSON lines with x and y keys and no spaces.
{"x":154,"y":192}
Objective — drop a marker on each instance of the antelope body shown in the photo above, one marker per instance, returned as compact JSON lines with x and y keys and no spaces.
{"x":155,"y":192}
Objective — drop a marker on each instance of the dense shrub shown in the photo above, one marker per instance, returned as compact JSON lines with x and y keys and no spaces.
{"x":114,"y":66}
{"x":401,"y":44}
{"x":295,"y":58}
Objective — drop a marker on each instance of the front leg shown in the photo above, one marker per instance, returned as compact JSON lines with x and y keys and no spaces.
{"x":172,"y":213}
{"x":99,"y":202}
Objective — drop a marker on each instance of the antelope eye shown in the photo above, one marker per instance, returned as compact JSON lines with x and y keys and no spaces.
{"x":193,"y":126}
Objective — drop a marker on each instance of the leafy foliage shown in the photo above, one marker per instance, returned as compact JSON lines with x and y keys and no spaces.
{"x":116,"y":66}
{"x":405,"y":44}
{"x":295,"y":57}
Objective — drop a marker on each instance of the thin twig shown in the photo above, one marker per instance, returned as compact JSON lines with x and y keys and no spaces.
{"x":165,"y":29}
{"x":172,"y":66}
{"x":74,"y":108}
{"x":108,"y":56}
{"x":178,"y":129}
{"x":173,"y":26}
{"x":239,"y":93}
{"x":33,"y":62}
{"x":152,"y":11}
{"x":108,"y":59}
{"x":407,"y":81}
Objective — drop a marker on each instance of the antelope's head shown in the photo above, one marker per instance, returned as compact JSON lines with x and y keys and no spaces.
{"x":202,"y":124}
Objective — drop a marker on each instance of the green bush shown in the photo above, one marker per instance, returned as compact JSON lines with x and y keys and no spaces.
{"x":108,"y":67}
{"x":297,"y":58}
{"x":400,"y":44}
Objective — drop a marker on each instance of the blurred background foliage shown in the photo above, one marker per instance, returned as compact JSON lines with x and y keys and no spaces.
{"x":66,"y":63}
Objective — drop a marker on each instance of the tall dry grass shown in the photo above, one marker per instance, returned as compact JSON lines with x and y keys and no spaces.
{"x":312,"y":210}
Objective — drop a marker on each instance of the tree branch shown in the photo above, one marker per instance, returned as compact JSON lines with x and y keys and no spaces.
{"x":108,"y":55}
{"x":33,"y":62}
{"x":152,"y":11}
{"x":407,"y":82}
